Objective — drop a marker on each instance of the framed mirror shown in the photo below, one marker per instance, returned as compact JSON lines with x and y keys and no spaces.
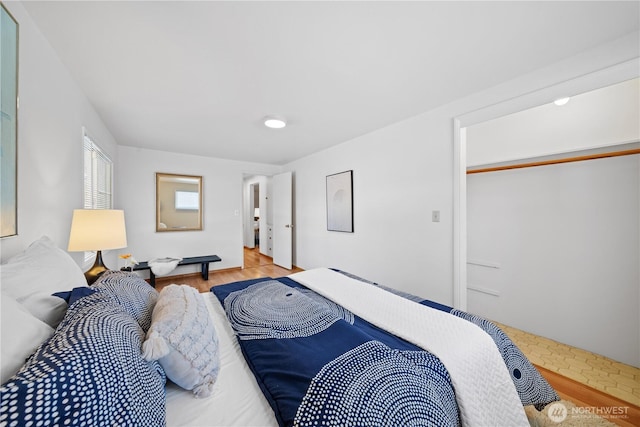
{"x":178,"y":202}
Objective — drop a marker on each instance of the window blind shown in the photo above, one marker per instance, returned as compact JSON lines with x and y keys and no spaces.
{"x":98,"y":169}
{"x":98,"y":180}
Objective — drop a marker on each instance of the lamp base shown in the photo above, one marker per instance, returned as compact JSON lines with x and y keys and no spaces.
{"x":96,"y":270}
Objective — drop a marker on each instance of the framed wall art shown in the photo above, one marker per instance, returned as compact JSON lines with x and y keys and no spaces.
{"x":9,"y":133}
{"x":340,"y":202}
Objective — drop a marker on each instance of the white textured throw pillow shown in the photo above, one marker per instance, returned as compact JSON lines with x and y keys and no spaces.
{"x":183,"y":339}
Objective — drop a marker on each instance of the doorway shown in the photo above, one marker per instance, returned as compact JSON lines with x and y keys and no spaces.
{"x":255,"y":248}
{"x":267,"y":217}
{"x":533,"y":275}
{"x":253,"y":258}
{"x":256,"y":212}
{"x":254,"y":216}
{"x":586,"y":82}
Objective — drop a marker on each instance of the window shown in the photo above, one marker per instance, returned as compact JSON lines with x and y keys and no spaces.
{"x":98,"y":179}
{"x":98,"y":169}
{"x":187,"y":200}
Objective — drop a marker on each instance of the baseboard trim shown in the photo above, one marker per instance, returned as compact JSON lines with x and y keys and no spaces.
{"x":223,"y":270}
{"x":195,"y":274}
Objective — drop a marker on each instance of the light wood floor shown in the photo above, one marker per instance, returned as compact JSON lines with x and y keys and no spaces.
{"x":587,"y":379}
{"x":603,"y":388}
{"x":256,"y":265}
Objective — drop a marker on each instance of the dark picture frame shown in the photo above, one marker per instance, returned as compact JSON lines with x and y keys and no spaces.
{"x":340,"y":202}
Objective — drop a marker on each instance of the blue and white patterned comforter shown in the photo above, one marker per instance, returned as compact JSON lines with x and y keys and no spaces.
{"x":91,"y":371}
{"x":318,"y":364}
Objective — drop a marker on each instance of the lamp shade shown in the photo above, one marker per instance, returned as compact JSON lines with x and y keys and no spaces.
{"x":97,"y":229}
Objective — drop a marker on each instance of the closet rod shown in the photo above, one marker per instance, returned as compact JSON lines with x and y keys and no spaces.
{"x":557,"y":161}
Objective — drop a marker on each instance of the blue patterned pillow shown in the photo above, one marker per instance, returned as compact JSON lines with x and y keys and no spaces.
{"x":90,"y":372}
{"x":75,"y":294}
{"x":131,"y":292}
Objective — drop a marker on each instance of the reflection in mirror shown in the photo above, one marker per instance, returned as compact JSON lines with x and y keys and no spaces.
{"x":178,"y":202}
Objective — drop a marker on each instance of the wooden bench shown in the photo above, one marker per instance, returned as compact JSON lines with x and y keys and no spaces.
{"x":202,"y":260}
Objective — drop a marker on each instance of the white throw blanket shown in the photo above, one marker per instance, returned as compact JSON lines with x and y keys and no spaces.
{"x":484,"y":390}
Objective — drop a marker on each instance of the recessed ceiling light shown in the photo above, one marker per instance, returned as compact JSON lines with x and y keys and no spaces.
{"x":274,"y":122}
{"x":561,"y":101}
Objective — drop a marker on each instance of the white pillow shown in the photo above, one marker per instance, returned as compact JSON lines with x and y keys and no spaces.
{"x":183,"y":339}
{"x":20,"y":335}
{"x":33,"y":275}
{"x":46,"y":307}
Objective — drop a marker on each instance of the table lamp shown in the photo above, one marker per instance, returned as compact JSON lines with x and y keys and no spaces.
{"x":97,"y":230}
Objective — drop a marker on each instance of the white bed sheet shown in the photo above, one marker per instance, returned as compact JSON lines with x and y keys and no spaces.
{"x":237,"y":399}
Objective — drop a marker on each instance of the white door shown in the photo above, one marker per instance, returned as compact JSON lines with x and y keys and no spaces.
{"x":282,"y":223}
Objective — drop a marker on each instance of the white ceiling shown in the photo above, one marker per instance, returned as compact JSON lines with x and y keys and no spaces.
{"x":198,"y":77}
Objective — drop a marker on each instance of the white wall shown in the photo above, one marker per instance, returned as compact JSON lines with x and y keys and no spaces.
{"x":52,"y":112}
{"x":563,"y":242}
{"x":400,"y":174}
{"x":222,"y":203}
{"x":404,"y":172}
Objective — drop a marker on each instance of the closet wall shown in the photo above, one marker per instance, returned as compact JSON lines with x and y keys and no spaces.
{"x":555,"y":250}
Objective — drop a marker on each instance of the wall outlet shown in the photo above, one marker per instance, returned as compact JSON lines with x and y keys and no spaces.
{"x":435,"y":216}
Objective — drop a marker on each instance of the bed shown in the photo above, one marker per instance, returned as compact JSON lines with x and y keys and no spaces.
{"x":320,"y":347}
